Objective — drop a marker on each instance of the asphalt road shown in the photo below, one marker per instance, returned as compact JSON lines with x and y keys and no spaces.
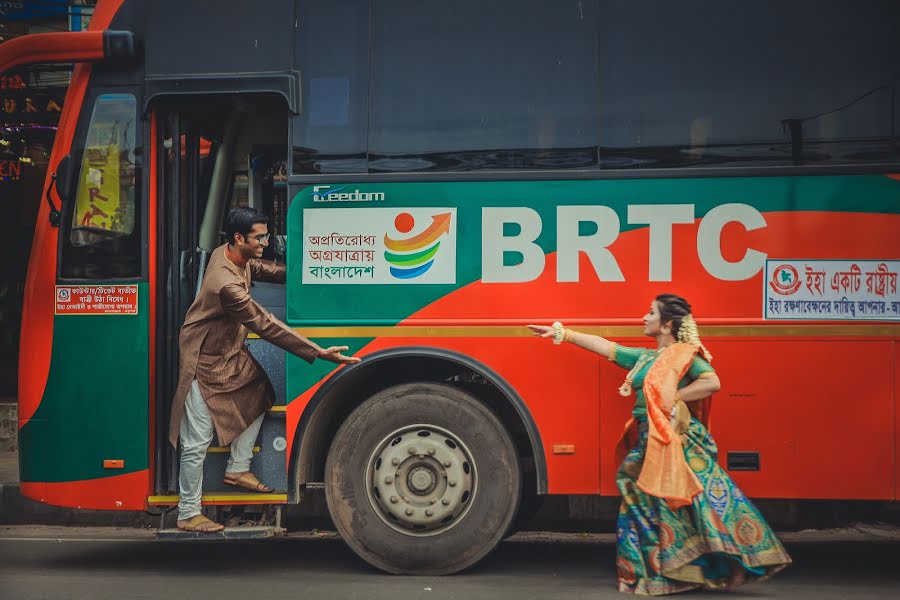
{"x":102,"y":563}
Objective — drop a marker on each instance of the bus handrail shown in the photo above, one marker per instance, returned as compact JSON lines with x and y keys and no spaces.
{"x":66,"y":47}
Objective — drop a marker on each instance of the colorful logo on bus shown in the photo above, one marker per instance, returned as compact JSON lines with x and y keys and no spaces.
{"x":411,"y":257}
{"x":785,"y":280}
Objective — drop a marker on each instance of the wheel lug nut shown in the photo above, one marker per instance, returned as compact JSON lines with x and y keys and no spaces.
{"x":409,"y":512}
{"x":452,"y":483}
{"x":412,"y":450}
{"x":394,"y":499}
{"x":389,"y":479}
{"x":445,"y":502}
{"x":448,"y":464}
{"x":429,"y":512}
{"x":395,"y":461}
{"x":431,"y":451}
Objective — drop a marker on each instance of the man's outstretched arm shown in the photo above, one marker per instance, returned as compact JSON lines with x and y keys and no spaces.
{"x":238,"y":305}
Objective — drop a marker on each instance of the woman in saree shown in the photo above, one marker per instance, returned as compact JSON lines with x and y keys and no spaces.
{"x":683,"y":524}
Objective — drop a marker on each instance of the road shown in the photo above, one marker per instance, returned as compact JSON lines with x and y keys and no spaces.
{"x":98,"y":563}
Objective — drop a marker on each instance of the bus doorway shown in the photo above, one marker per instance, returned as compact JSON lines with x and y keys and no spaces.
{"x":214,"y":153}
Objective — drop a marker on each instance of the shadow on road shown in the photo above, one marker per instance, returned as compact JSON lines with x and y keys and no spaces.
{"x":326,"y":567}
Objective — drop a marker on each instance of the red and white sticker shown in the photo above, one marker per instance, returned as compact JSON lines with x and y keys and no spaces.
{"x":96,"y":300}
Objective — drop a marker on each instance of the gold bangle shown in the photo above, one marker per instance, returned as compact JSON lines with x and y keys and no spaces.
{"x":567,"y":337}
{"x":677,"y":398}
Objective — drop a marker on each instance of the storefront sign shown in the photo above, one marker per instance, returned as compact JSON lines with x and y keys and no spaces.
{"x":10,"y":170}
{"x":98,"y":201}
{"x":12,"y":82}
{"x":20,"y":10}
{"x":96,"y":300}
{"x":25,"y":106}
{"x":858,"y":290}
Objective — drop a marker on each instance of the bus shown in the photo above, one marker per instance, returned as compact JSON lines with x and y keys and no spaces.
{"x":439,"y":175}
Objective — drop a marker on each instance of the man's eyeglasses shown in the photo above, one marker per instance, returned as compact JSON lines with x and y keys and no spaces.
{"x":262,"y":238}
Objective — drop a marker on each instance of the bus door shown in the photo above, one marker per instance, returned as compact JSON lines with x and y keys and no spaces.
{"x":180,"y":191}
{"x":215,"y":153}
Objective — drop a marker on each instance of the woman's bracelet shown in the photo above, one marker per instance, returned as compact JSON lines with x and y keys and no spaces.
{"x":559,"y":333}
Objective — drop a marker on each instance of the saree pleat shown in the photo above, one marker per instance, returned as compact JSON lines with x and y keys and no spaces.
{"x":720,"y":541}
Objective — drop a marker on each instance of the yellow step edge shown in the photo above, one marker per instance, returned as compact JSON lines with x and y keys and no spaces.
{"x":481,"y":331}
{"x":225,"y":498}
{"x":279,"y":408}
{"x":226,"y":449}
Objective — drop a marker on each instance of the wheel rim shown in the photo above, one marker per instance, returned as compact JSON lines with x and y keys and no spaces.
{"x":421,"y":480}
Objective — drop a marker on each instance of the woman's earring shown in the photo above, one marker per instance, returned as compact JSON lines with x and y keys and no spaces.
{"x":665,"y":330}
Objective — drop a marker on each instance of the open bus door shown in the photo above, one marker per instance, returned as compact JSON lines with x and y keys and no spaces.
{"x":213,"y":152}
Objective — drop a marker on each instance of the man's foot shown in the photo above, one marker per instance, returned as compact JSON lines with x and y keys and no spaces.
{"x":199,"y":524}
{"x":248,"y":481}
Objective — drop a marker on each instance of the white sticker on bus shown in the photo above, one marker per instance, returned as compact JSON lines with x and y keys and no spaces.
{"x":379,"y":245}
{"x":846,"y":290}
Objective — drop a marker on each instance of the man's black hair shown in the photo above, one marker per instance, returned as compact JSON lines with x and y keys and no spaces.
{"x":241,"y":220}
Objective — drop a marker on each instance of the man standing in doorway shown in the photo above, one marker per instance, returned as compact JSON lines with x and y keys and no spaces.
{"x":221,"y":388}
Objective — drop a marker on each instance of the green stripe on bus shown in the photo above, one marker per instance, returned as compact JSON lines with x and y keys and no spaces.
{"x":95,"y":404}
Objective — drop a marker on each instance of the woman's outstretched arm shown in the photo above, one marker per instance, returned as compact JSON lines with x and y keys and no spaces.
{"x":591,"y":343}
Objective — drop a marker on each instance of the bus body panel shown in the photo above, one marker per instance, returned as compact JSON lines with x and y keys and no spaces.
{"x":896,"y":356}
{"x":776,"y":374}
{"x":83,"y":380}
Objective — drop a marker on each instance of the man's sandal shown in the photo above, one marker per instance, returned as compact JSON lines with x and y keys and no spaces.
{"x":248,"y":481}
{"x":200,"y":524}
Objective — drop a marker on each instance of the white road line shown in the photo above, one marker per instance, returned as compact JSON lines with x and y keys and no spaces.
{"x":46,"y":539}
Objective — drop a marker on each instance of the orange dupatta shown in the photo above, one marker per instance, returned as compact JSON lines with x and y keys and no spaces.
{"x":665,"y":472}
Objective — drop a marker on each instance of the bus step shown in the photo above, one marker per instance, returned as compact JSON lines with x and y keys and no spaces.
{"x":225,"y":498}
{"x":229,"y":533}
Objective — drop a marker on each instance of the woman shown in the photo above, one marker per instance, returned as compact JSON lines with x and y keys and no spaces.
{"x":683,"y":523}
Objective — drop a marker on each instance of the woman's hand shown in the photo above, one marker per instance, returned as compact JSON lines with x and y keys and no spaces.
{"x":542,"y":331}
{"x":591,"y":343}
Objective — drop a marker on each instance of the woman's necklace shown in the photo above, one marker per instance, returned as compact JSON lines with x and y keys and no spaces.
{"x":625,"y":389}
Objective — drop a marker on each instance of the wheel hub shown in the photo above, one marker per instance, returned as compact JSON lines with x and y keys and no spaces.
{"x":421,"y":480}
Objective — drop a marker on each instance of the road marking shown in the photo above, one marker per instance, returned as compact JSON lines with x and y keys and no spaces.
{"x":46,"y":539}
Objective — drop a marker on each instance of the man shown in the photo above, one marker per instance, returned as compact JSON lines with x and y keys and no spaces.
{"x":221,"y":387}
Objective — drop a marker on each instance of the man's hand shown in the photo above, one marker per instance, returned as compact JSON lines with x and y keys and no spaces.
{"x":333,"y":354}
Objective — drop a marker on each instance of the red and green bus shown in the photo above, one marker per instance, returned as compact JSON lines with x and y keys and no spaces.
{"x":438,"y":175}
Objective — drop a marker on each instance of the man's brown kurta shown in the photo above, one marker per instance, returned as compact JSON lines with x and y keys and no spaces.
{"x":234,"y":385}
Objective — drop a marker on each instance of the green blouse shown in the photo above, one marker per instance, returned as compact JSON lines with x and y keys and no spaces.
{"x":627,"y":357}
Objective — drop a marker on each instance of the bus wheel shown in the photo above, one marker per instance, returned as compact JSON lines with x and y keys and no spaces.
{"x":422,"y":479}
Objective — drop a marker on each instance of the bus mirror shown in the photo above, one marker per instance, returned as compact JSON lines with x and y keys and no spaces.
{"x":62,"y":179}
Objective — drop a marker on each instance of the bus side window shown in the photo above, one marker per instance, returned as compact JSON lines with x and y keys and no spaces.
{"x":329,"y":136}
{"x":103,"y":238}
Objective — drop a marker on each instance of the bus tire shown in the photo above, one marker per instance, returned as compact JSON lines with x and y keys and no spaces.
{"x":422,"y":479}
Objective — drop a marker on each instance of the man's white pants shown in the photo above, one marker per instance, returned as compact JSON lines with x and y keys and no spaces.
{"x":196,"y":434}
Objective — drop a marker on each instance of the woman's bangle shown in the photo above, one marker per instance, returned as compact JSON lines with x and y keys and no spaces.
{"x":677,"y":398}
{"x":559,"y":333}
{"x":568,"y":335}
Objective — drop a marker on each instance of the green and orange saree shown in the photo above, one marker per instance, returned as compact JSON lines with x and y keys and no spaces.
{"x":683,"y":523}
